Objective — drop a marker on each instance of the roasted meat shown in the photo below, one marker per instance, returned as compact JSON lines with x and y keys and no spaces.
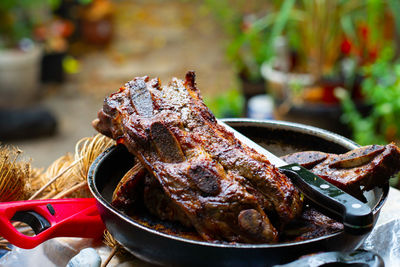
{"x":357,"y":170}
{"x":138,"y":188}
{"x":159,"y":204}
{"x":311,"y":223}
{"x":193,"y":171}
{"x":200,"y":173}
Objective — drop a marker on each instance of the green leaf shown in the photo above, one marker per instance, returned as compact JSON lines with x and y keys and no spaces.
{"x":281,"y":19}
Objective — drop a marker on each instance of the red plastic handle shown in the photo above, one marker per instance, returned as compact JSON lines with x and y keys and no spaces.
{"x":75,"y":217}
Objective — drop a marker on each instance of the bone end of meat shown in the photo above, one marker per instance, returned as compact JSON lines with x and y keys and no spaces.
{"x":307,"y":159}
{"x":206,"y":180}
{"x":255,"y":226}
{"x":140,"y":96}
{"x":166,"y":144}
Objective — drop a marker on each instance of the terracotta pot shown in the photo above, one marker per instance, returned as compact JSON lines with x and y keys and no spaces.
{"x":98,"y":32}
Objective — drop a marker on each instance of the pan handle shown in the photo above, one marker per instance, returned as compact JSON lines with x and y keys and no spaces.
{"x":50,"y":218}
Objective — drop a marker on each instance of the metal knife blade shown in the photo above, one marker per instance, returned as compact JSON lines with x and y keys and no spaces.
{"x":356,"y":216}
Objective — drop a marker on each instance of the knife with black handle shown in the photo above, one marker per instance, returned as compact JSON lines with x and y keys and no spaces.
{"x":356,"y":216}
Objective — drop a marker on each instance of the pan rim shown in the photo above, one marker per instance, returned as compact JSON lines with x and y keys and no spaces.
{"x":301,"y":128}
{"x":281,"y":124}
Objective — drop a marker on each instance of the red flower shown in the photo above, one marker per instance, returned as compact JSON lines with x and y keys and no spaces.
{"x":373,"y":54}
{"x":345,"y":46}
{"x":364,"y":31}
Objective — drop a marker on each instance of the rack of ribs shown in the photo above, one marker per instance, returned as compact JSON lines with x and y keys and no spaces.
{"x":191,"y":168}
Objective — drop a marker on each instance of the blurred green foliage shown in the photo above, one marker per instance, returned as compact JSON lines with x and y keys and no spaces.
{"x":227,"y":105}
{"x":19,"y":17}
{"x":251,"y":35}
{"x":314,"y":29}
{"x":381,"y":90}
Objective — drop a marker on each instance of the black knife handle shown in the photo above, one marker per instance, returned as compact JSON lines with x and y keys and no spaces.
{"x":356,"y":216}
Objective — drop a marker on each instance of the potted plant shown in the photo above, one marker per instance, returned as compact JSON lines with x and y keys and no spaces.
{"x":19,"y":54}
{"x":323,"y":46}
